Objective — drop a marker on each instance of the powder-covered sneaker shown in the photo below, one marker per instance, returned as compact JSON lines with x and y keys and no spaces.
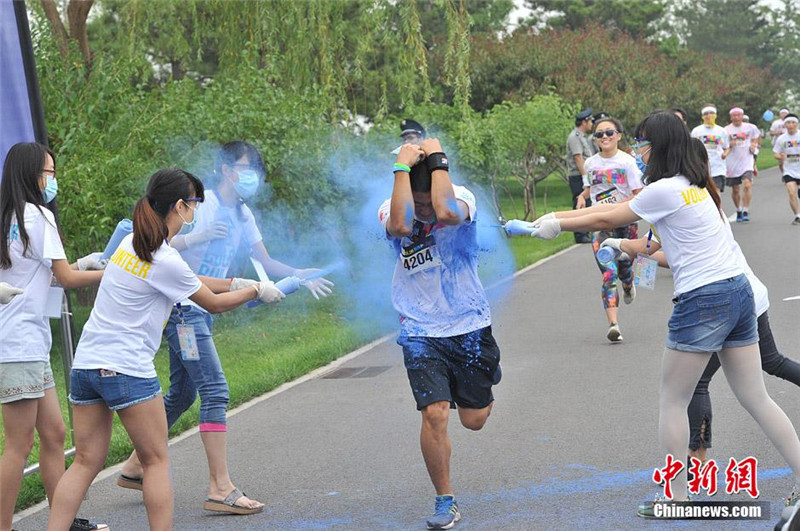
{"x":648,"y":509}
{"x":613,"y":334}
{"x":446,"y":514}
{"x":738,"y":217}
{"x":82,"y":524}
{"x":745,"y":216}
{"x":628,"y":293}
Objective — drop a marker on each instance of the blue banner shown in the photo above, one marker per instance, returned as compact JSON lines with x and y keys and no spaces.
{"x":21,"y":118}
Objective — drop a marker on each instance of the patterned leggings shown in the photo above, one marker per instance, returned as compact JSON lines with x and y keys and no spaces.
{"x":619,"y":269}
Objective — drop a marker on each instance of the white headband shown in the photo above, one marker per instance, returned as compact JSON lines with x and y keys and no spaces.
{"x":707,"y":109}
{"x":790,"y":119}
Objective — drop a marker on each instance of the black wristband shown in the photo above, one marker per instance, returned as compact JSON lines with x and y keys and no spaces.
{"x":437,"y":161}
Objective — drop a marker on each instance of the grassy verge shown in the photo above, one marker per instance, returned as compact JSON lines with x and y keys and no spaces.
{"x":766,"y":159}
{"x":266,"y":347}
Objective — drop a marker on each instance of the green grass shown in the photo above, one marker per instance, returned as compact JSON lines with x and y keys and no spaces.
{"x":766,"y":159}
{"x":266,"y":347}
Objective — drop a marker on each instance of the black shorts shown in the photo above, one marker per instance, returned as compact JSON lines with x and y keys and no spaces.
{"x":457,"y":369}
{"x":790,"y":179}
{"x":719,"y":180}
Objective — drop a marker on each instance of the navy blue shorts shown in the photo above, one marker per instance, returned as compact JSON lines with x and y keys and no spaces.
{"x":457,"y":369}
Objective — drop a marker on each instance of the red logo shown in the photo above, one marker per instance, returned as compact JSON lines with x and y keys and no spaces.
{"x":667,"y":474}
{"x":742,"y":476}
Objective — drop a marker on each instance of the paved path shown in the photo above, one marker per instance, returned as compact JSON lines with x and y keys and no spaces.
{"x":570,"y":445}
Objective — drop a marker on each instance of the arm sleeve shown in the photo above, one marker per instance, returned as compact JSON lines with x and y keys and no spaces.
{"x":173,"y":277}
{"x":656,"y":201}
{"x":251,"y":233}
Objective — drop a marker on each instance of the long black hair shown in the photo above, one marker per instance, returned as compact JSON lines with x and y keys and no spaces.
{"x":672,"y":152}
{"x":21,"y":172}
{"x":230,"y":152}
{"x":165,"y":189}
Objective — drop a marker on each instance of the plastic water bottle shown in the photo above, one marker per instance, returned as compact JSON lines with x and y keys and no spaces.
{"x":288,"y":285}
{"x":606,"y":255}
{"x":124,"y":227}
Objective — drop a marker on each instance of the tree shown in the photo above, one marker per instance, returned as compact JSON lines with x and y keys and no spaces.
{"x":630,"y":16}
{"x":77,"y":13}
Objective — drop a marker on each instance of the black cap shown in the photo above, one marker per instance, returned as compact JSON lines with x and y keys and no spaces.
{"x":410,"y":126}
{"x":601,"y":115}
{"x":584,"y":114}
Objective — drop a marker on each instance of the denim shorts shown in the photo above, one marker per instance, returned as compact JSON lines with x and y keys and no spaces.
{"x":117,"y":391}
{"x":715,"y":316}
{"x":24,"y":380}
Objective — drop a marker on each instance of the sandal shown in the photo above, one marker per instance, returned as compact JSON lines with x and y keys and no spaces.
{"x":127,"y":482}
{"x":228,"y":505}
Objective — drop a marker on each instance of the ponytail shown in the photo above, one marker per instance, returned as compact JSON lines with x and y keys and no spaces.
{"x":149,"y":230}
{"x":165,"y":189}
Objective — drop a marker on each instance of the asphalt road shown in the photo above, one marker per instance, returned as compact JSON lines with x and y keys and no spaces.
{"x":571,"y":443}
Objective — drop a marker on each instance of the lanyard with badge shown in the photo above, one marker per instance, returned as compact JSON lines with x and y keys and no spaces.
{"x":421,"y":255}
{"x":645,"y":268}
{"x":186,"y":338}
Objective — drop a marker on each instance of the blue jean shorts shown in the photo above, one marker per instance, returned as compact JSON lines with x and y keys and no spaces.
{"x":117,"y":391}
{"x":715,"y":316}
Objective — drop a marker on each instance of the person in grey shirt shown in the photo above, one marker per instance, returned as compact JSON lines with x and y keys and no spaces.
{"x":578,"y":150}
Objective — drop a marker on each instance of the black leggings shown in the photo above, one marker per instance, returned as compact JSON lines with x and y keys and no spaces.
{"x":772,"y":362}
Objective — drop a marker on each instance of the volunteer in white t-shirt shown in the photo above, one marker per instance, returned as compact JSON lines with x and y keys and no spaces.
{"x":451,"y":357}
{"x":787,"y":151}
{"x":772,"y":361}
{"x":224,"y":223}
{"x":31,"y":254}
{"x":611,"y":177}
{"x":743,"y":139}
{"x":715,"y":139}
{"x":714,"y":307}
{"x":113,"y":368}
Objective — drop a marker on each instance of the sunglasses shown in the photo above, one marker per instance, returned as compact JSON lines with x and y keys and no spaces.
{"x":608,"y":132}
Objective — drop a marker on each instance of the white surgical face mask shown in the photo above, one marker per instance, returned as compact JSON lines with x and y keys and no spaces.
{"x":188,"y":226}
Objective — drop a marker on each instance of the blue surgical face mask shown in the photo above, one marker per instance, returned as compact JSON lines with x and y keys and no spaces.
{"x":188,"y":227}
{"x":50,"y":189}
{"x":640,"y":164}
{"x":247,"y":185}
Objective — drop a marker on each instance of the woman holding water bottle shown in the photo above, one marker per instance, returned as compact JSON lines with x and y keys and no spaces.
{"x":611,"y":177}
{"x":223,"y":222}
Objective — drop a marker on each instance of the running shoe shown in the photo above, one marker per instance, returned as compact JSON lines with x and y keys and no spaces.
{"x":628,"y":293}
{"x":745,"y":216}
{"x":648,"y":509}
{"x":738,"y":217}
{"x":796,"y":221}
{"x":82,"y":524}
{"x":613,"y":334}
{"x":446,"y":514}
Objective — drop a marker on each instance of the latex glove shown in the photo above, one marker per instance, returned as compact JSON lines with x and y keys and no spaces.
{"x":616,"y":243}
{"x":547,"y":229}
{"x":268,"y":293}
{"x":8,"y":292}
{"x":517,"y":227}
{"x":214,"y":232}
{"x":319,"y":287}
{"x":242,"y":283}
{"x":92,"y":262}
{"x":538,"y":221}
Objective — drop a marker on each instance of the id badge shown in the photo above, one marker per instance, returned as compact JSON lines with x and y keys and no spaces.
{"x":188,"y":343}
{"x":420,"y":256}
{"x":645,"y":270}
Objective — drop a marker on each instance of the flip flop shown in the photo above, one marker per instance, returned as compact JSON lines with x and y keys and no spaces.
{"x":228,"y":505}
{"x":129,"y":483}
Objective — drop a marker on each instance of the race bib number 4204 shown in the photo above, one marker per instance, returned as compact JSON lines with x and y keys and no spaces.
{"x":420,"y":256}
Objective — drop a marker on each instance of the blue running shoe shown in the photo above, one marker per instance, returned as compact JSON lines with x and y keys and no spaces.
{"x":745,"y":216}
{"x":739,"y":217}
{"x":446,"y":514}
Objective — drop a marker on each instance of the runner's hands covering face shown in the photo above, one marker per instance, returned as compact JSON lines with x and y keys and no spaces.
{"x":410,"y":154}
{"x":431,"y":145}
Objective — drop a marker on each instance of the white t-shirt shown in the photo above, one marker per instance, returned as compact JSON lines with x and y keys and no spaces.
{"x":691,"y":230}
{"x":612,"y":179}
{"x":760,"y":293}
{"x":24,"y":327}
{"x":715,"y":139}
{"x":435,"y":286}
{"x":740,"y":159}
{"x":132,"y":306}
{"x":777,"y":127}
{"x":213,"y":258}
{"x":790,"y":145}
